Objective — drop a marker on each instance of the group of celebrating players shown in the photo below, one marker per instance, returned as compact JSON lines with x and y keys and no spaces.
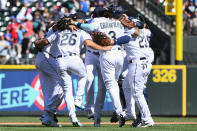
{"x":128,"y":57}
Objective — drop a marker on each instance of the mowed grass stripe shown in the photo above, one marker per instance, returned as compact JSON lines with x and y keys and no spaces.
{"x":91,"y":123}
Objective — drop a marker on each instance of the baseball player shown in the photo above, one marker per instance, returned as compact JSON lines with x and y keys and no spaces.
{"x":54,"y":52}
{"x":150,"y":55}
{"x":51,"y":89}
{"x":111,"y":65}
{"x":92,"y":65}
{"x":139,"y":68}
{"x":118,"y":14}
{"x":67,"y":48}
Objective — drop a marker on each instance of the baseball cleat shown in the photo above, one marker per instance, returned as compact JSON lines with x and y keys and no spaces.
{"x":79,"y":104}
{"x":144,"y":125}
{"x":114,"y":118}
{"x":90,"y":114}
{"x":136,"y":122}
{"x":55,"y":118}
{"x":121,"y":120}
{"x":49,"y":122}
{"x":128,"y":118}
{"x":77,"y":124}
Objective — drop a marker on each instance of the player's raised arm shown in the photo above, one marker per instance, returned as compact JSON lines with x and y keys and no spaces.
{"x":86,"y":27}
{"x":95,"y":46}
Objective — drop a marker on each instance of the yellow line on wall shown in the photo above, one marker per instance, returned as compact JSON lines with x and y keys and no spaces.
{"x":184,"y":92}
{"x":17,"y":67}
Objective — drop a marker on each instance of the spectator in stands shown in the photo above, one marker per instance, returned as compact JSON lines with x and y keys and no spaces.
{"x":41,"y":4}
{"x":84,"y":6}
{"x":193,"y":24}
{"x":46,"y":19}
{"x":189,"y":9}
{"x":37,"y":21}
{"x":21,"y":15}
{"x":8,"y":36}
{"x":185,"y":4}
{"x":4,"y":49}
{"x":28,"y":34}
{"x":101,"y":3}
{"x":13,"y":27}
{"x":76,"y":3}
{"x":38,"y":7}
{"x":46,"y":13}
{"x":21,"y":31}
{"x":69,"y":6}
{"x":55,"y":12}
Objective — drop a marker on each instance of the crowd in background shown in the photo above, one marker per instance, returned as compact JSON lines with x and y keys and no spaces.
{"x":189,"y":15}
{"x":31,"y":23}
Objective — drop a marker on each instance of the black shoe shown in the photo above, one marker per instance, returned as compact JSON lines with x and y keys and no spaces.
{"x":114,"y":117}
{"x":55,"y":118}
{"x":136,"y":122}
{"x":121,"y":120}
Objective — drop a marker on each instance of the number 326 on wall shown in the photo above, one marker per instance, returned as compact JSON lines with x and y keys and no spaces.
{"x":164,"y":75}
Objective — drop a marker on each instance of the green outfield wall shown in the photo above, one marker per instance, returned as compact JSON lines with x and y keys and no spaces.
{"x":172,"y":90}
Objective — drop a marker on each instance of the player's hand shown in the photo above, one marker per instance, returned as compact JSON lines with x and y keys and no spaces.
{"x":72,"y":22}
{"x":73,"y":28}
{"x":112,"y":42}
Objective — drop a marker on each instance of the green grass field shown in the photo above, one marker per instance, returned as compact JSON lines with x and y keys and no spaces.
{"x":33,"y":124}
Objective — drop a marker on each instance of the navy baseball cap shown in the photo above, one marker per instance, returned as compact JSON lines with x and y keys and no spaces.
{"x":98,"y":11}
{"x":78,"y":15}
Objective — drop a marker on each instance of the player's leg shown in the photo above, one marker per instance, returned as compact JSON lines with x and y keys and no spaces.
{"x":52,"y":92}
{"x":89,"y":91}
{"x":121,"y":79}
{"x":77,"y":67}
{"x":130,"y":102}
{"x":136,"y":76}
{"x":109,"y":74}
{"x":137,"y":121}
{"x":90,"y":64}
{"x":100,"y":98}
{"x":66,"y":82}
{"x":124,"y":72}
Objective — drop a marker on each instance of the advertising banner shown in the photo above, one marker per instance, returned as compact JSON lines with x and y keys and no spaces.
{"x":20,"y":91}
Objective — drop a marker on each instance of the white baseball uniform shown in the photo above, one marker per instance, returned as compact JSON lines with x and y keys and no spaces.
{"x":111,"y":64}
{"x":52,"y":91}
{"x":139,"y":68}
{"x":68,"y":49}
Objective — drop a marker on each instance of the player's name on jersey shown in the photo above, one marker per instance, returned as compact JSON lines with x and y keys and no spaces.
{"x":66,"y":31}
{"x":110,"y":25}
